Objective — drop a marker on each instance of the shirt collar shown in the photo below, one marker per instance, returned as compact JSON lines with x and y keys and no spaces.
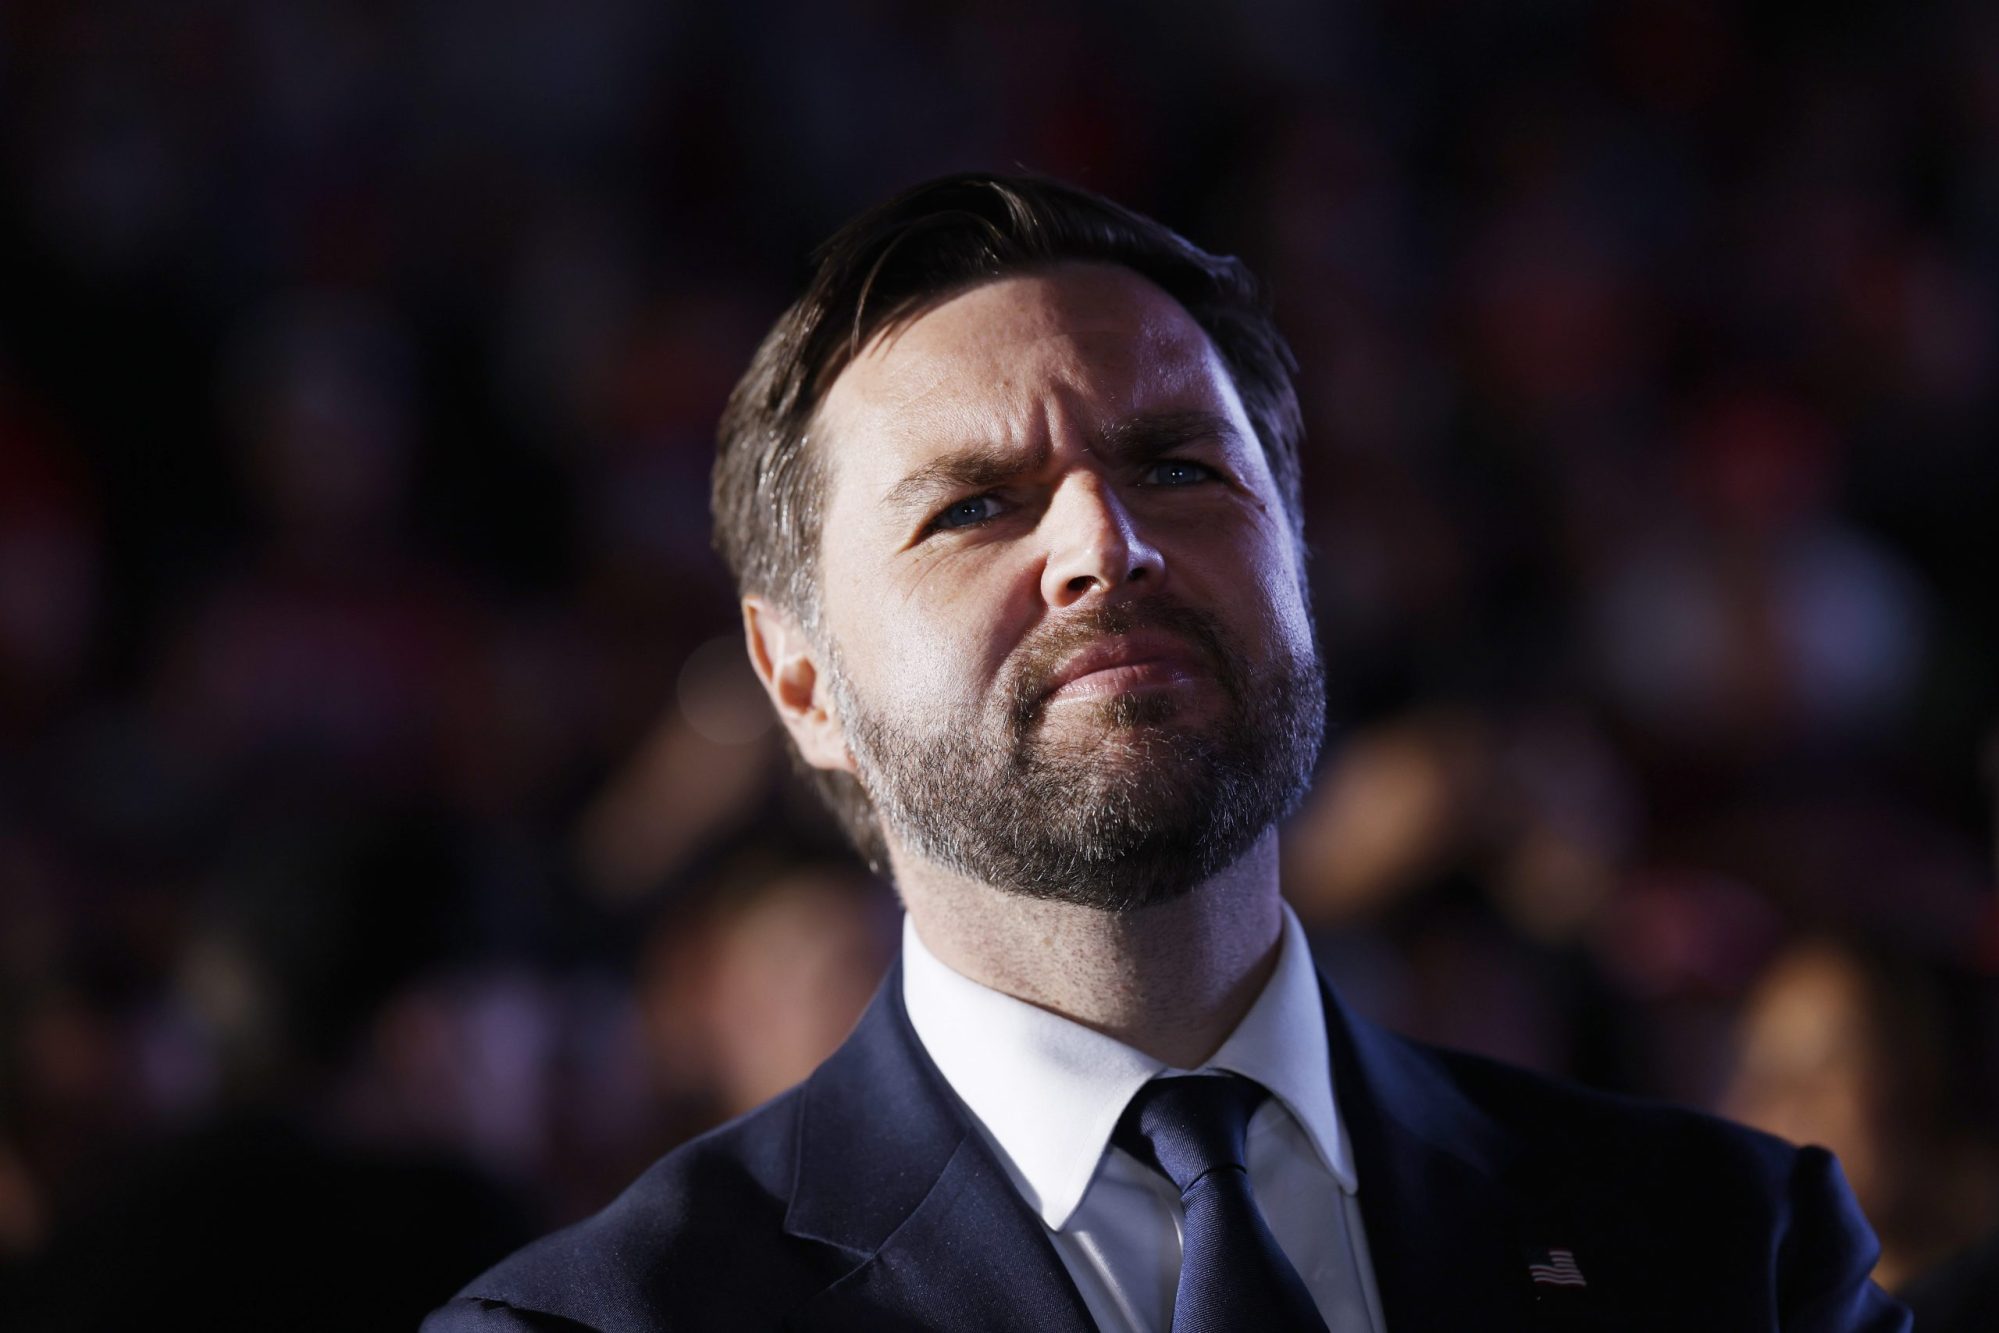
{"x":1049,"y":1091}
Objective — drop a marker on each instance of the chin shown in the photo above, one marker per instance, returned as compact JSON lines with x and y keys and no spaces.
{"x":1136,"y":713}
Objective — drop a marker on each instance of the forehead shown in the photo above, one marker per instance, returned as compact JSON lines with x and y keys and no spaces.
{"x":1076,"y":343}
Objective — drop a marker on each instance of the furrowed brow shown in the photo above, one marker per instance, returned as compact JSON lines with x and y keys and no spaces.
{"x":976,"y":467}
{"x":1142,"y":439}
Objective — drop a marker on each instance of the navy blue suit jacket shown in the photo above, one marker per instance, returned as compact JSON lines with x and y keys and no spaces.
{"x":864,"y":1199}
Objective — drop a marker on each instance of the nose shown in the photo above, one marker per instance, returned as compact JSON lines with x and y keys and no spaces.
{"x":1093,"y":544}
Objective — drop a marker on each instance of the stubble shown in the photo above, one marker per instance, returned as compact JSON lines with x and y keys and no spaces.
{"x":1120,"y":804}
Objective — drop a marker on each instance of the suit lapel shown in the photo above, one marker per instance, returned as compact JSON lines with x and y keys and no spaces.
{"x":1444,"y":1237}
{"x":891,"y":1171}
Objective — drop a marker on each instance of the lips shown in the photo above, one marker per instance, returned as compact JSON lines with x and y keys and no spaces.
{"x":1124,"y":663}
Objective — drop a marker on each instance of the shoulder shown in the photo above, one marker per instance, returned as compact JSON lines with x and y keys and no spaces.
{"x":1563,"y":1126}
{"x":696,"y":1242}
{"x":1496,"y":1114}
{"x":1707,"y":1203}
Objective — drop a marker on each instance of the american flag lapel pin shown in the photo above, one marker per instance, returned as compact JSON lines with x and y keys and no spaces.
{"x":1557,"y":1269}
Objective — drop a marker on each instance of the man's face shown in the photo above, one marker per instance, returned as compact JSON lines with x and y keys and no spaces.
{"x":1064,"y":622}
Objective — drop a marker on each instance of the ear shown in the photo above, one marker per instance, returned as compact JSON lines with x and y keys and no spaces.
{"x":788,"y":665}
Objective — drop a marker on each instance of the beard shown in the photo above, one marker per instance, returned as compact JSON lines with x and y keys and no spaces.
{"x":1130,"y":803}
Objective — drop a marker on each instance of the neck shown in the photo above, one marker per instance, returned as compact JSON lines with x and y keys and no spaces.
{"x":1172,"y":980}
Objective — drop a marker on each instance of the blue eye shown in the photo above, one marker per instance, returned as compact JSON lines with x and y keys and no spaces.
{"x":1178,"y":472}
{"x":967,"y":513}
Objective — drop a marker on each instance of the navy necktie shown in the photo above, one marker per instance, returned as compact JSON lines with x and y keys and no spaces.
{"x":1233,"y":1276}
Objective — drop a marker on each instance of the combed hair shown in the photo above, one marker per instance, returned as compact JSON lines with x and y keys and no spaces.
{"x":887,"y":267}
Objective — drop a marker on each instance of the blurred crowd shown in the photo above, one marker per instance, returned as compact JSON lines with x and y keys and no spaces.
{"x":396,"y":854}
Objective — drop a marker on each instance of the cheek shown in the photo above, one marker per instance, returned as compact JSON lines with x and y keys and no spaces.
{"x":1283,"y":575}
{"x":1292,"y":631}
{"x":1256,"y":582}
{"x":940,"y":640}
{"x":1286,"y":593}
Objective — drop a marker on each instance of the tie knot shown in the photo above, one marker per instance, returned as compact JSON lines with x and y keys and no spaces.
{"x":1187,"y":1127}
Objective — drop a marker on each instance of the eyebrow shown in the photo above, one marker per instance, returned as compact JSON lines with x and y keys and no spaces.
{"x":981,"y":466}
{"x":1142,"y":439}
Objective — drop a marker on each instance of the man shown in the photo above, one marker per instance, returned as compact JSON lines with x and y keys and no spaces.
{"x":1012,"y":497}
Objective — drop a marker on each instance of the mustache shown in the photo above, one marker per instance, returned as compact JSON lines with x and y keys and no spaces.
{"x":1030,"y":676}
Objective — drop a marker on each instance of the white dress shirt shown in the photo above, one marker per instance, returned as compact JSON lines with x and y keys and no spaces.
{"x":1047,"y":1092}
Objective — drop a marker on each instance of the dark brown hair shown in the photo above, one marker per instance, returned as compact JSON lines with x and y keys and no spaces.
{"x":888,"y":266}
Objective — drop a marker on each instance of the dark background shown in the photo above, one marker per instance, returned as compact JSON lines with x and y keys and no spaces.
{"x":394,"y":854}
